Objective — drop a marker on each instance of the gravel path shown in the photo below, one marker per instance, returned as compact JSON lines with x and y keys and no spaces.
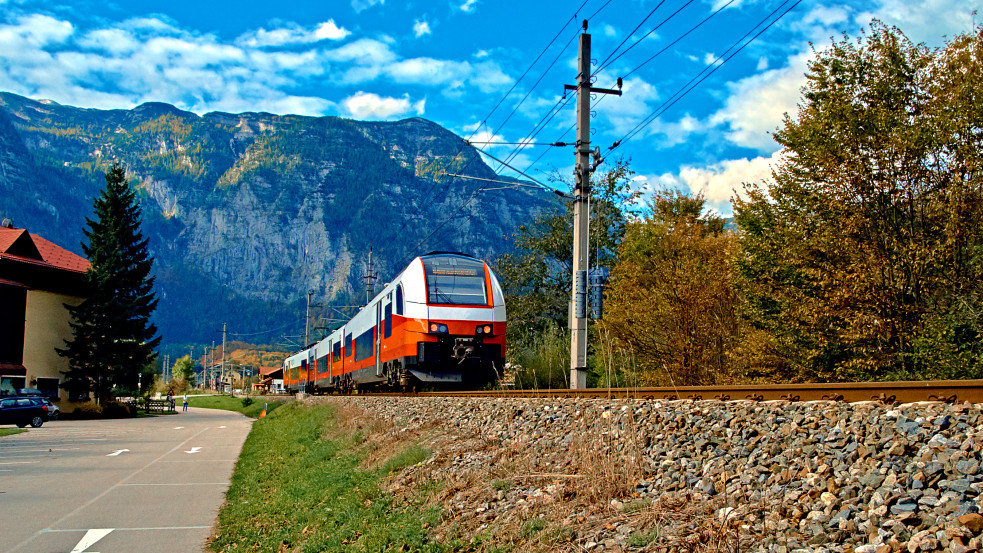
{"x":567,"y":474}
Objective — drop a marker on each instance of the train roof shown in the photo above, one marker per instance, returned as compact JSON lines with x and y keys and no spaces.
{"x":448,"y":253}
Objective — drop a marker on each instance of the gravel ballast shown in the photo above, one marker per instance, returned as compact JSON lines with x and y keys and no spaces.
{"x":770,"y":476}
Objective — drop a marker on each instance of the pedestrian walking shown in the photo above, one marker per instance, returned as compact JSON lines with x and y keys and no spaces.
{"x":185,"y":402}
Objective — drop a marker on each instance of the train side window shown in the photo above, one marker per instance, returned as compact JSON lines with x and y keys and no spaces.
{"x":322,"y":364}
{"x":348,"y":345}
{"x":364,"y":344}
{"x":399,"y":299}
{"x":337,"y":352}
{"x":389,"y":320}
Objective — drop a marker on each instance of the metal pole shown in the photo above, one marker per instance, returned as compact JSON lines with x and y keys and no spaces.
{"x":369,"y":279}
{"x":578,"y":318}
{"x":222,"y":374}
{"x":307,"y":319}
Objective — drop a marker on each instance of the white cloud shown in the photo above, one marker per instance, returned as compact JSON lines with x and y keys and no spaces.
{"x":469,"y":6}
{"x":35,"y":31}
{"x":116,"y":42}
{"x":361,"y":5}
{"x":719,"y":182}
{"x":366,"y":105}
{"x":925,"y":21}
{"x":489,"y":77}
{"x":827,"y":15}
{"x":421,"y":28}
{"x":757,"y":104}
{"x":762,"y":64}
{"x":123,"y":64}
{"x":147,"y":59}
{"x":293,"y":34}
{"x":609,"y":30}
{"x":624,"y":112}
{"x":330,"y":31}
{"x":364,"y":51}
{"x":429,"y":71}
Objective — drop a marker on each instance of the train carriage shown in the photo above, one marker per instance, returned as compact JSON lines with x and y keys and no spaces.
{"x":440,"y":323}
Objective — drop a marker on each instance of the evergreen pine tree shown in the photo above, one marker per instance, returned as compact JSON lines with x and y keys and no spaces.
{"x":113,"y":338}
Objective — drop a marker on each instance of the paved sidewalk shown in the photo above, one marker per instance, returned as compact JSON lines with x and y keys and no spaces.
{"x":148,"y":485}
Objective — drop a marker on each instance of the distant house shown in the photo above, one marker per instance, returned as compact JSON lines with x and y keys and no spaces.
{"x":271,"y":380}
{"x":37,"y":279}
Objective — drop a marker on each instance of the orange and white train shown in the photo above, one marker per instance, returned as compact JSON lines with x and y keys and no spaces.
{"x":440,"y":323}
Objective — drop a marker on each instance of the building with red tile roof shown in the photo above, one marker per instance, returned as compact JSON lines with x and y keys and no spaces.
{"x":37,"y":279}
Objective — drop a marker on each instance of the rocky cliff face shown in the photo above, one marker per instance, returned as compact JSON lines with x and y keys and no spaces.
{"x":246,"y":213}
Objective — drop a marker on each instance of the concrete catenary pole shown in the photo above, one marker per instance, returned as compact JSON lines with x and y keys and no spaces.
{"x":578,"y":318}
{"x":581,"y":213}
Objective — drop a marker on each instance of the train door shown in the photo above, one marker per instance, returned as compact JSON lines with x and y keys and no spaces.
{"x":378,"y":338}
{"x":311,"y":370}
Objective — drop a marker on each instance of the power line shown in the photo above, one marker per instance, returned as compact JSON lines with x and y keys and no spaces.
{"x":680,"y":37}
{"x":629,"y":35}
{"x":541,"y":77}
{"x":528,"y":69}
{"x":541,"y":125}
{"x":606,"y":64}
{"x":710,"y":69}
{"x":674,"y":42}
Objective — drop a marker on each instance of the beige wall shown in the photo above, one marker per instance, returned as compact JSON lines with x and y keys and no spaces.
{"x":47,"y":328}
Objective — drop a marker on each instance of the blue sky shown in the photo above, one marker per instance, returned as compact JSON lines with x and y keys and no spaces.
{"x":453,"y":61}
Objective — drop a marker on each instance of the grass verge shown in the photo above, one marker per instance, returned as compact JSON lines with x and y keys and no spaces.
{"x":250,"y":408}
{"x":302,"y":484}
{"x":11,"y":431}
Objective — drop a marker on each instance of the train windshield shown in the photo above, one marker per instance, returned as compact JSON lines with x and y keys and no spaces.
{"x":455,"y":280}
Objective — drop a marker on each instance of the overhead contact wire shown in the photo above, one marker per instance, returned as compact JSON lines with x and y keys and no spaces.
{"x":707,"y":71}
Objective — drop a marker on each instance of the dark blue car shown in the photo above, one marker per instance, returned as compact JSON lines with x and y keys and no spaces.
{"x":23,"y":411}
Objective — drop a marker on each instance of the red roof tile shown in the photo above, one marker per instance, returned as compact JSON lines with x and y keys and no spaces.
{"x":52,"y":255}
{"x":60,"y":257}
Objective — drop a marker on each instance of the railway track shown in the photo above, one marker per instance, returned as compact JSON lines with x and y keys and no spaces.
{"x":950,"y":391}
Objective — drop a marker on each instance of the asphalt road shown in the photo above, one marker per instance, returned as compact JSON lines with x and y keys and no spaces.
{"x":132,"y":485}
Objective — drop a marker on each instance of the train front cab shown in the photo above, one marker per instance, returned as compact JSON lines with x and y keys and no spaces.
{"x":462,"y":308}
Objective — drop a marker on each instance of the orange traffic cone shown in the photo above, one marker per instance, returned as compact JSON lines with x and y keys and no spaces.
{"x":263,"y":412}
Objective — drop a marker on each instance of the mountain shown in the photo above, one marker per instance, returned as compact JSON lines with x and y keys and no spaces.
{"x":246,"y":213}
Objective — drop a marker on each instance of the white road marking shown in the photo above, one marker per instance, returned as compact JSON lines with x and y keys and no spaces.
{"x":193,"y":450}
{"x":178,"y":427}
{"x":90,"y":538}
{"x":19,"y":462}
{"x":106,"y":491}
{"x":117,"y":452}
{"x":222,"y":426}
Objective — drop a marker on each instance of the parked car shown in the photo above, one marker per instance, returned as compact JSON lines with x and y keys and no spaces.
{"x":53,"y":411}
{"x":23,"y":411}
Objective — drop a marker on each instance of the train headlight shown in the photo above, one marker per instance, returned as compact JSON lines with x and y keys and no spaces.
{"x":437,"y":328}
{"x":488,"y":329}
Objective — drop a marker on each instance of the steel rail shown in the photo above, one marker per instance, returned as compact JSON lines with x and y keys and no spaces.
{"x":950,"y":391}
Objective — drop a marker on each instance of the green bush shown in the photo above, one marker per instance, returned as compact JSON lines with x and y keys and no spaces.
{"x":85,"y":411}
{"x":118,"y":410}
{"x":247,"y":401}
